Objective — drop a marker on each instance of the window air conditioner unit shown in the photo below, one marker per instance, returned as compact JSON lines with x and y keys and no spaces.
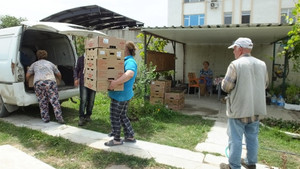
{"x":214,"y":5}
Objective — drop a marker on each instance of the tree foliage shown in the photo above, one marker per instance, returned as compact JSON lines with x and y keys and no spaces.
{"x":146,"y":73}
{"x":10,"y":21}
{"x":79,"y":41}
{"x":292,"y":45}
{"x":155,"y":44}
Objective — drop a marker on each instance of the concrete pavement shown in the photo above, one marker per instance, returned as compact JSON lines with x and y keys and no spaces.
{"x":12,"y":158}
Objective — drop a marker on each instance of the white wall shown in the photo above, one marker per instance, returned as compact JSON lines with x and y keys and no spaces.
{"x":194,"y":8}
{"x":266,"y":12}
{"x":214,"y":16}
{"x":175,"y":12}
{"x":219,"y":57}
{"x":288,"y":3}
{"x":262,"y":11}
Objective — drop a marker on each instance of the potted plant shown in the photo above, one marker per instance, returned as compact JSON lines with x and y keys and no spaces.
{"x":292,"y":98}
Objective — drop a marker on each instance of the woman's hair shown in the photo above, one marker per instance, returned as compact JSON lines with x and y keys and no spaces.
{"x":131,"y":47}
{"x":206,"y":62}
{"x":41,"y":54}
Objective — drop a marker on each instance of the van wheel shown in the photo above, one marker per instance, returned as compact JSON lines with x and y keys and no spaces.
{"x":3,"y":111}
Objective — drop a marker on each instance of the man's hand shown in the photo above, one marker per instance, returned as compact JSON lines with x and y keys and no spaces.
{"x":76,"y":83}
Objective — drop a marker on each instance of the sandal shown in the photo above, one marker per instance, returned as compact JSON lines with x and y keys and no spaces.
{"x":112,"y":143}
{"x":130,"y":140}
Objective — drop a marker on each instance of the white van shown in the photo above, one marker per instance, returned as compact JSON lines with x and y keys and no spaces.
{"x":18,"y":46}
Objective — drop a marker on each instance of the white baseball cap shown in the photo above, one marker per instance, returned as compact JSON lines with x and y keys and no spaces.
{"x":243,"y":43}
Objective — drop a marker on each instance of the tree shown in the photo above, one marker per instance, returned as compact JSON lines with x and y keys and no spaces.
{"x":292,"y":45}
{"x":10,"y":21}
{"x":155,"y":44}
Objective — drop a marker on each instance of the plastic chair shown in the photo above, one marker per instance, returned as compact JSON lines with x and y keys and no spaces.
{"x":194,"y":82}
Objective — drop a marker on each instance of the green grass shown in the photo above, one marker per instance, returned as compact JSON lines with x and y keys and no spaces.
{"x":155,"y":125}
{"x":63,"y":154}
{"x":271,"y":141}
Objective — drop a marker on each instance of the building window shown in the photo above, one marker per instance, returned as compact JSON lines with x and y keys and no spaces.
{"x":286,"y":14}
{"x":227,"y":18}
{"x":194,"y":20}
{"x":246,"y":17}
{"x":188,"y":1}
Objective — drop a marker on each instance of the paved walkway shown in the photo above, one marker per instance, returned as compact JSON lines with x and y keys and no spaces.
{"x":216,"y":141}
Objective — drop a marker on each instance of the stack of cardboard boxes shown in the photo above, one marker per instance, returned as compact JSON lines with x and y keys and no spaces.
{"x":174,"y":99}
{"x":157,"y":91}
{"x":104,"y":61}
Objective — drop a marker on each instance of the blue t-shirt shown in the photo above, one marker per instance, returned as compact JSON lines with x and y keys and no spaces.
{"x":127,"y":93}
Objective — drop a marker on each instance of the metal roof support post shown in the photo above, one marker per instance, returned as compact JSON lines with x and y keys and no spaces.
{"x":145,"y":60}
{"x":274,"y":56}
{"x":174,"y":49}
{"x":145,"y":48}
{"x":183,"y":70}
{"x":286,"y":60}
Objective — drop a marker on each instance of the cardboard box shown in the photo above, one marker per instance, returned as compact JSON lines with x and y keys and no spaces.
{"x":90,"y":63}
{"x":102,"y":53}
{"x":91,"y":53}
{"x":156,"y":100}
{"x":98,"y":41}
{"x":161,"y":84}
{"x":90,"y":83}
{"x":175,"y":107}
{"x":174,"y":94}
{"x":30,"y":81}
{"x":105,"y":42}
{"x":117,"y":43}
{"x":157,"y":92}
{"x":100,"y":85}
{"x":174,"y":101}
{"x":90,"y":73}
{"x":115,"y":54}
{"x":109,"y":74}
{"x":104,"y":64}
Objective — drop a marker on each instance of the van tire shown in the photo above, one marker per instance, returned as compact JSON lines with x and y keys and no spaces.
{"x":3,"y":110}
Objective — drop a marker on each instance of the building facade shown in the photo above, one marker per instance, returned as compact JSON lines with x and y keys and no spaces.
{"x":205,"y":13}
{"x":220,"y":12}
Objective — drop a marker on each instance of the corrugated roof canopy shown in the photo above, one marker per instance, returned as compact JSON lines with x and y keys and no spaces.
{"x":94,"y":17}
{"x":222,"y":34}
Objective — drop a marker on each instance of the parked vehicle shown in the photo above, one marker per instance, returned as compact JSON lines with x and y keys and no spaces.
{"x":17,"y":51}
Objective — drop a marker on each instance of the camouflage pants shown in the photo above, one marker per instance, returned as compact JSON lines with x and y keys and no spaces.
{"x":47,"y":91}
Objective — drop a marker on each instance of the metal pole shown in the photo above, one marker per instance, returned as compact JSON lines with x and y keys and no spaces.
{"x":285,"y":73}
{"x":272,"y":76}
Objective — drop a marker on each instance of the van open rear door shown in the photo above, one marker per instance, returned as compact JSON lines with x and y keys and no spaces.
{"x":63,"y":28}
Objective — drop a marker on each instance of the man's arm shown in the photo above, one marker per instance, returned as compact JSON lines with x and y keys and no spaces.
{"x":228,"y":83}
{"x":124,"y":78}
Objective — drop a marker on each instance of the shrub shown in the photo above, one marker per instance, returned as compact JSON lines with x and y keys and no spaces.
{"x":292,"y":94}
{"x":286,"y":125}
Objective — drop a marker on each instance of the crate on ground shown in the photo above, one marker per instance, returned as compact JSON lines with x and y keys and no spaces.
{"x":157,"y":92}
{"x":174,"y":94}
{"x":175,"y":107}
{"x":174,"y":102}
{"x":156,"y":100}
{"x":174,"y":99}
{"x":161,"y":85}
